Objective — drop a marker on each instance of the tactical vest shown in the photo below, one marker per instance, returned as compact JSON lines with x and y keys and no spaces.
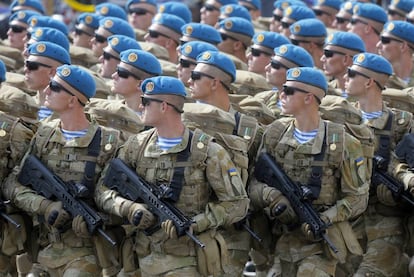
{"x":299,"y":167}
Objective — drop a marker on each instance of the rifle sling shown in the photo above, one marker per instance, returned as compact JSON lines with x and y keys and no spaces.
{"x":315,"y":179}
{"x":93,"y":150}
{"x":384,"y":142}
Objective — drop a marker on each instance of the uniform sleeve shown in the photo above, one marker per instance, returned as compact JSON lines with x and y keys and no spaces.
{"x":402,"y":170}
{"x":230,"y":203}
{"x":353,"y":198}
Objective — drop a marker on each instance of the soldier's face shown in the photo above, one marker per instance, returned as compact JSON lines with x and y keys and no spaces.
{"x":37,"y":76}
{"x":355,"y":86}
{"x":276,"y":74}
{"x":200,"y":89}
{"x":109,"y":64}
{"x":209,"y":15}
{"x":390,"y":48}
{"x":184,"y":68}
{"x":125,"y":85}
{"x":82,"y":40}
{"x":140,"y":21}
{"x":293,"y":104}
{"x":16,"y":36}
{"x":257,"y":61}
{"x":333,"y":64}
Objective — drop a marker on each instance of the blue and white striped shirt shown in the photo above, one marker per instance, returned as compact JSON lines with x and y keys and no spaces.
{"x":168,"y":143}
{"x":69,"y":135}
{"x":303,"y":137}
{"x":371,"y":115}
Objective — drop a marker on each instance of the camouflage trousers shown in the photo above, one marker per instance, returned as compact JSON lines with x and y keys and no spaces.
{"x":312,"y":266}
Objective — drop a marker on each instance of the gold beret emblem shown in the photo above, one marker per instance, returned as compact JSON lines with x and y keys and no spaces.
{"x":348,"y":5}
{"x":206,"y":56}
{"x":283,"y":49}
{"x":228,"y":10}
{"x":296,"y":28}
{"x":260,"y":38}
{"x":189,"y":30}
{"x":65,"y":71}
{"x":321,"y":2}
{"x":21,"y":2}
{"x":228,"y":24}
{"x":396,"y":2}
{"x":149,"y":87}
{"x":330,"y":38}
{"x":104,"y":10}
{"x":360,"y":58}
{"x":356,"y":9}
{"x":33,"y":22}
{"x":40,"y":48}
{"x":21,"y":15}
{"x":38,"y":33}
{"x":296,"y":73}
{"x":108,"y":24}
{"x":161,"y":9}
{"x":114,"y":41}
{"x":157,"y":17}
{"x":284,"y":5}
{"x":188,"y":49}
{"x":288,"y":11}
{"x":390,"y":26}
{"x":88,"y":19}
{"x":132,"y":57}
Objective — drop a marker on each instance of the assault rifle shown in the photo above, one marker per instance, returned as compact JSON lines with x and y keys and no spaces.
{"x":267,"y":171}
{"x":380,"y":176}
{"x":35,"y":174}
{"x":4,"y":215}
{"x":123,"y":179}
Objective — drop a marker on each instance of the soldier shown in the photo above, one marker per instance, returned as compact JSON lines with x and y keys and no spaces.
{"x":292,"y":14}
{"x":176,"y":8}
{"x":18,"y":25}
{"x":210,"y":11}
{"x":397,"y":46}
{"x":110,"y":10}
{"x":384,"y":231}
{"x":86,"y":24}
{"x":46,"y":34}
{"x":301,"y":146}
{"x":75,"y":150}
{"x":140,"y":15}
{"x":234,"y":10}
{"x":163,"y":253}
{"x":199,"y":31}
{"x":398,"y":9}
{"x":344,"y":15}
{"x":279,"y":7}
{"x":326,"y":11}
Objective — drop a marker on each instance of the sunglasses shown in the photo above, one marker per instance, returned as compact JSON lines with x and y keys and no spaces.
{"x":256,"y":53}
{"x":17,"y":29}
{"x":409,"y":20}
{"x":80,"y":32}
{"x":277,"y":17}
{"x":138,"y":11}
{"x":297,"y":42}
{"x":124,"y":74}
{"x":100,"y":39}
{"x":107,"y":56}
{"x":354,"y":21}
{"x":387,"y":40}
{"x":320,"y":12}
{"x":277,"y":65}
{"x":393,"y":13}
{"x":186,"y":63}
{"x":352,"y":73}
{"x":291,"y":90}
{"x":330,"y":53}
{"x":226,"y":37}
{"x":146,"y":101}
{"x":196,"y":75}
{"x":341,"y":20}
{"x":210,"y":8}
{"x":285,"y":25}
{"x":155,"y":34}
{"x":57,"y":88}
{"x":33,"y":66}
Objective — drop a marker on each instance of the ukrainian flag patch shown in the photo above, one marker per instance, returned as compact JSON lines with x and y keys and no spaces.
{"x":359,"y":161}
{"x":232,"y":172}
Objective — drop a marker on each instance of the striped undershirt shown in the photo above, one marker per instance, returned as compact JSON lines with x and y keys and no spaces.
{"x":303,"y":137}
{"x":69,"y":135}
{"x":44,"y":112}
{"x":168,"y":143}
{"x":371,"y":115}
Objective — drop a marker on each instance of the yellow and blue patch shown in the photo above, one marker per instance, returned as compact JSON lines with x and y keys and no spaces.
{"x":232,"y":172}
{"x":359,"y":161}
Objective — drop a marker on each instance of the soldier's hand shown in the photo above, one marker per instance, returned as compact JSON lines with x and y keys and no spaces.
{"x":169,"y":228}
{"x":283,"y":211}
{"x":79,"y":227}
{"x":55,"y":215}
{"x":308,"y":232}
{"x":139,"y":216}
{"x":385,"y":195}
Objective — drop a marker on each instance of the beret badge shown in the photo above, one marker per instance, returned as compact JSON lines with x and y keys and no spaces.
{"x":65,"y":72}
{"x":188,"y":49}
{"x":41,"y":48}
{"x":149,"y":87}
{"x":296,"y":73}
{"x":132,"y":57}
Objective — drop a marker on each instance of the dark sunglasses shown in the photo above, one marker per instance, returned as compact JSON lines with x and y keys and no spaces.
{"x":226,"y":37}
{"x":155,"y":34}
{"x":17,"y":29}
{"x":256,"y":52}
{"x":297,"y":42}
{"x":186,"y":63}
{"x":291,"y":90}
{"x":80,"y":32}
{"x":352,"y":73}
{"x":124,"y":74}
{"x":393,"y":13}
{"x":409,"y":20}
{"x":248,"y":8}
{"x":277,"y":65}
{"x":107,"y":56}
{"x":182,"y":42}
{"x":330,"y":53}
{"x":146,"y":101}
{"x":57,"y":88}
{"x":196,"y":75}
{"x":100,"y":39}
{"x":277,"y":17}
{"x":320,"y":12}
{"x":341,"y":20}
{"x":387,"y":40}
{"x":138,"y":11}
{"x":285,"y":25}
{"x":32,"y":66}
{"x":210,"y":8}
{"x":354,"y":21}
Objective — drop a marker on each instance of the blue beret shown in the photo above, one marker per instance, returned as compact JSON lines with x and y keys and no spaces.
{"x":194,"y":48}
{"x":310,"y":79}
{"x":88,"y":22}
{"x":373,"y":66}
{"x":163,"y":85}
{"x":49,"y":50}
{"x":345,"y":42}
{"x":329,"y":6}
{"x":22,"y":16}
{"x":50,"y":34}
{"x":283,"y":4}
{"x":218,"y":60}
{"x":226,"y":2}
{"x":178,"y":9}
{"x":401,"y":6}
{"x":293,"y":56}
{"x":347,"y":9}
{"x":110,"y":9}
{"x":268,"y":41}
{"x":296,"y":13}
{"x":78,"y":79}
{"x":234,"y":10}
{"x":372,"y":14}
{"x":237,"y":28}
{"x":119,"y":43}
{"x":310,"y":29}
{"x":168,"y":24}
{"x":256,"y":4}
{"x":139,"y":61}
{"x":2,"y":71}
{"x":36,"y":5}
{"x":47,"y":21}
{"x":400,"y":30}
{"x":117,"y":26}
{"x":199,"y":31}
{"x":152,"y":3}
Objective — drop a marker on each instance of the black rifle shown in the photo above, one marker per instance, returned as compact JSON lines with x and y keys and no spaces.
{"x":35,"y":174}
{"x":380,"y":176}
{"x":267,"y":171}
{"x":123,"y":179}
{"x":4,"y":215}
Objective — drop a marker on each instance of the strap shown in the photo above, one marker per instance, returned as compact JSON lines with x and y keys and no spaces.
{"x":177,"y":180}
{"x":384,"y":141}
{"x":93,"y":150}
{"x":237,"y":116}
{"x":315,"y":180}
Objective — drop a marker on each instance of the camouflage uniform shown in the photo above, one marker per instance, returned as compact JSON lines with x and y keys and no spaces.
{"x":343,"y":195}
{"x":207,"y":173}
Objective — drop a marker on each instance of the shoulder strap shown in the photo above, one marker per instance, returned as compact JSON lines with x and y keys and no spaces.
{"x":93,"y":150}
{"x":384,"y":140}
{"x":315,"y":180}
